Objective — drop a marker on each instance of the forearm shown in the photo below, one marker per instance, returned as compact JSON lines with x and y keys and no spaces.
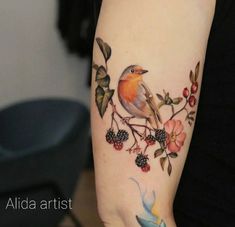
{"x":169,"y":40}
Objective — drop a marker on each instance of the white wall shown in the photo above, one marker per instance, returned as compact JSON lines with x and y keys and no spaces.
{"x":33,"y":60}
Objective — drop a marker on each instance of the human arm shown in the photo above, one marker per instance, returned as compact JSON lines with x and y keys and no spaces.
{"x":168,"y":39}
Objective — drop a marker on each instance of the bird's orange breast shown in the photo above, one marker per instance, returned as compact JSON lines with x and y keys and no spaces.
{"x":128,"y":89}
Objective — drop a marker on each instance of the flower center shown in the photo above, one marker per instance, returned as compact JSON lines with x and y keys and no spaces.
{"x":173,"y":137}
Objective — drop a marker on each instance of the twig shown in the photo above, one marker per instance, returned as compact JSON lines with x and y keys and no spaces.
{"x":143,"y":126}
{"x":183,"y":108}
{"x":145,"y":149}
{"x":114,"y":120}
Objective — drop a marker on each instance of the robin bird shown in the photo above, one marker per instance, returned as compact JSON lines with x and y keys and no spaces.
{"x":136,"y":97}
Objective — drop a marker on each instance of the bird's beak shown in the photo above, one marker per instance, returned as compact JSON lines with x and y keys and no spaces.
{"x":143,"y":71}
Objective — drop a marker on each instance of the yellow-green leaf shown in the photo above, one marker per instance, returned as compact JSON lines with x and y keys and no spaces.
{"x":158,"y":152}
{"x":197,"y":69}
{"x":102,"y":98}
{"x":173,"y":155}
{"x":191,"y":76}
{"x":177,"y":101}
{"x":105,"y":49}
{"x":101,"y":73}
{"x":162,"y":162}
{"x":104,"y":82}
{"x":169,"y":169}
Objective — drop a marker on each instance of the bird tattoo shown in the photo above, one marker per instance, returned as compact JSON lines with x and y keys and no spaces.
{"x":135,"y":96}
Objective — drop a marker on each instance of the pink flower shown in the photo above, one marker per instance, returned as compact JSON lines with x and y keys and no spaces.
{"x":175,"y":135}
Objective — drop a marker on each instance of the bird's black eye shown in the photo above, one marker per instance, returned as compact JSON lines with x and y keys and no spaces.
{"x":132,"y":71}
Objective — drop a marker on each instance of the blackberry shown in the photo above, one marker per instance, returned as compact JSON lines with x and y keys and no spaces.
{"x":160,"y":135}
{"x":122,"y":135}
{"x":150,"y":140}
{"x":141,"y":160}
{"x":110,"y":136}
{"x":146,"y":168}
{"x":118,"y":145}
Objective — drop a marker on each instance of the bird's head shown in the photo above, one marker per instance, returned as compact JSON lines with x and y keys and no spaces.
{"x":133,"y":72}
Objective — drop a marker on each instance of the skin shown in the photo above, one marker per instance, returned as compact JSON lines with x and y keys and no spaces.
{"x":168,"y":38}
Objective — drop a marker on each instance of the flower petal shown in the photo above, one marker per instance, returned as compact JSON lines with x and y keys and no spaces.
{"x":178,"y":127}
{"x":180,"y":139}
{"x":173,"y":147}
{"x":169,"y":126}
{"x":167,"y":138}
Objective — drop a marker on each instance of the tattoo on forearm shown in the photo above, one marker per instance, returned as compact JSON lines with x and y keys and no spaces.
{"x":164,"y":139}
{"x":150,"y":217}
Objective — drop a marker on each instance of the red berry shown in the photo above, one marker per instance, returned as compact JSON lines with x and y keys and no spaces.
{"x":146,"y":168}
{"x":150,"y":140}
{"x":194,"y":88}
{"x":118,"y":145}
{"x":192,"y":101}
{"x":186,"y":92}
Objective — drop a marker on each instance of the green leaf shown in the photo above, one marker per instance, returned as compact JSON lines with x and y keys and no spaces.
{"x":104,"y":82}
{"x":101,"y":73}
{"x":191,"y":76}
{"x":169,"y":169}
{"x":158,"y":152}
{"x":177,"y":101}
{"x":160,"y":97}
{"x":168,"y":100}
{"x":105,"y":49}
{"x":173,"y":155}
{"x":191,"y":118}
{"x":192,"y":112}
{"x":197,"y":69}
{"x":102,"y":98}
{"x":162,"y":162}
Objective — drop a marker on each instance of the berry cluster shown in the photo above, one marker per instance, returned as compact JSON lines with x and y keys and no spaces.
{"x":117,"y":139}
{"x":142,"y":162}
{"x":191,"y":98}
{"x":160,"y":136}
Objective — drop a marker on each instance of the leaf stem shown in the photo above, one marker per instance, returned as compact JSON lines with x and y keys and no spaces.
{"x":145,"y":149}
{"x":143,"y":126}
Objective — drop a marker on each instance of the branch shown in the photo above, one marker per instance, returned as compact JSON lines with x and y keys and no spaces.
{"x":183,"y":108}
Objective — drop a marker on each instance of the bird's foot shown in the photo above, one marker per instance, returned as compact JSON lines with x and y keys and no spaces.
{"x":127,"y":119}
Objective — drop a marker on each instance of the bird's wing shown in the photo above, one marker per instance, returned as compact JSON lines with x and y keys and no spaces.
{"x":150,"y":100}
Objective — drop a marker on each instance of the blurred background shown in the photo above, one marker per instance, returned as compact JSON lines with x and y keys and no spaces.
{"x":45,"y":145}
